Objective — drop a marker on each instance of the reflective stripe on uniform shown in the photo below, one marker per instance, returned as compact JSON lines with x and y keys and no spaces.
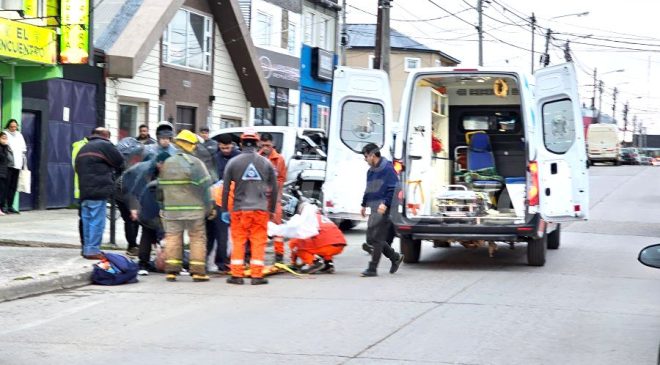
{"x":257,"y":262}
{"x":173,"y":261}
{"x":174,"y":182}
{"x":237,"y":262}
{"x":183,"y":207}
{"x":197,"y":262}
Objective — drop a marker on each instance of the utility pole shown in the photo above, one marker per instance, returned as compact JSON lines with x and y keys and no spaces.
{"x":480,"y":29}
{"x":533,"y":22}
{"x":625,"y":121}
{"x":382,"y":52}
{"x":567,"y":52}
{"x":593,"y":99}
{"x":545,"y":58}
{"x":601,"y":85}
{"x":344,"y":36}
{"x":635,"y":141}
{"x":616,"y":91}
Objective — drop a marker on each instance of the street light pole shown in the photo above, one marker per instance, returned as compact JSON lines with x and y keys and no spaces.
{"x":593,"y":99}
{"x":480,"y":29}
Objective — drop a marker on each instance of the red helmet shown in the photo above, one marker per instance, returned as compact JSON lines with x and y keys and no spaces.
{"x":250,"y":134}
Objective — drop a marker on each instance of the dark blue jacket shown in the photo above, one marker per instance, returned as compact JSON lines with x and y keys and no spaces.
{"x":381,"y":183}
{"x":221,"y":160}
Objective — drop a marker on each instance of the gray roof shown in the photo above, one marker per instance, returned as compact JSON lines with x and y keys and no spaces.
{"x":110,"y":19}
{"x":364,"y":36}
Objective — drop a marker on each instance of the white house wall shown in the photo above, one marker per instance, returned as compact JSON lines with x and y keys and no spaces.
{"x":230,"y":100}
{"x":141,"y":89}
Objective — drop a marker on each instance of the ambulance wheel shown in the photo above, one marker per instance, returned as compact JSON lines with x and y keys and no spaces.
{"x":536,"y":249}
{"x":411,"y":250}
{"x":554,"y":238}
{"x":347,"y":225}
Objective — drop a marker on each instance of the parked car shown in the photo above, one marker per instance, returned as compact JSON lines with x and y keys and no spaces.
{"x":646,"y":160}
{"x":630,"y":156}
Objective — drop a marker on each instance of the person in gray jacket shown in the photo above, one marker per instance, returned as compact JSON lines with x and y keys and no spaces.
{"x":254,"y":184}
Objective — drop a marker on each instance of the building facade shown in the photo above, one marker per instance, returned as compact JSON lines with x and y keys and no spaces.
{"x":405,"y":54}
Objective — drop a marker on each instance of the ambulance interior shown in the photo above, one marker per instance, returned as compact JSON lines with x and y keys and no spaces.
{"x":466,"y":154}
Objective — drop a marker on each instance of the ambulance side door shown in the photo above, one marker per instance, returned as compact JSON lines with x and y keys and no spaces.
{"x":561,"y":158}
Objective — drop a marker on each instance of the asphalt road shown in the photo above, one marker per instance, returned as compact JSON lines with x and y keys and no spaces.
{"x":592,"y":303}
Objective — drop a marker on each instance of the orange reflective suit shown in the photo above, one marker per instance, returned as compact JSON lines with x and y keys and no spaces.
{"x":280,"y":170}
{"x":328,"y":243}
{"x":254,"y":182}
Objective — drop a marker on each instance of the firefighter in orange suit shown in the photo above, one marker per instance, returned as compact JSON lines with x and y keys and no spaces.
{"x":268,"y":150}
{"x":328,"y":243}
{"x":255,"y":198}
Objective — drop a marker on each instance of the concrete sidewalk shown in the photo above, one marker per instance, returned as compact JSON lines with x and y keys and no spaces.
{"x":40,"y":252}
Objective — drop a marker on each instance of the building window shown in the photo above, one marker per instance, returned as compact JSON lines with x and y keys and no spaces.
{"x":187,"y":41}
{"x":262,"y":28}
{"x":323,"y":117}
{"x":128,"y":120}
{"x":309,"y":19}
{"x":323,"y":33}
{"x":362,"y":123}
{"x":161,"y":112}
{"x":412,"y":63}
{"x":279,"y":113}
{"x":226,"y":122}
{"x":291,"y":39}
{"x":372,"y":59}
{"x":185,"y":118}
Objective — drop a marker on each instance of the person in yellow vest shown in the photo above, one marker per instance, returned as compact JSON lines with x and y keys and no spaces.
{"x":75,"y":148}
{"x":184,"y":183}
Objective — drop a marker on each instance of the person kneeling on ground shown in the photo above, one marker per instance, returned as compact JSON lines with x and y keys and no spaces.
{"x":327,"y":244}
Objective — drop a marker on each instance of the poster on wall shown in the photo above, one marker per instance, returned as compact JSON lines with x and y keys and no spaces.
{"x":74,"y":41}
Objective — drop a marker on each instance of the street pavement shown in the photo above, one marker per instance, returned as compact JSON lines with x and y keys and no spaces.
{"x":592,"y":303}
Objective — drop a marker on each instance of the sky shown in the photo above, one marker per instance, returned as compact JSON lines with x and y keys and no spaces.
{"x":613,"y":36}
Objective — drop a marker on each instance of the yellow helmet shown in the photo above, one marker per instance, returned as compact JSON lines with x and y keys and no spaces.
{"x":188,"y":136}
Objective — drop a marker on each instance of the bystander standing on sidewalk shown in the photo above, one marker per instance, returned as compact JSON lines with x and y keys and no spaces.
{"x":97,"y":165}
{"x":381,"y":183}
{"x":143,"y":135}
{"x":19,"y":149}
{"x":75,"y":149}
{"x":6,"y":160}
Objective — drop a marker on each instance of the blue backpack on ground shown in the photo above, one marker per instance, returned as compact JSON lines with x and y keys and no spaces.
{"x":120,"y":271}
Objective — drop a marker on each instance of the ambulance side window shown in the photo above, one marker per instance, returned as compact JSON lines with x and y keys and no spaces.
{"x":362,"y":123}
{"x":558,"y":125}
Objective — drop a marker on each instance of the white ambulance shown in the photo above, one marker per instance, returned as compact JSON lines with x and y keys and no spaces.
{"x":487,"y":155}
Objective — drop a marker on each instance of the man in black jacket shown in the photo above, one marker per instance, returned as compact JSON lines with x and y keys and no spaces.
{"x":97,"y":164}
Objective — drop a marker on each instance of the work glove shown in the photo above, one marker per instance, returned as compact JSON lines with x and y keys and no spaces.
{"x":212,"y":215}
{"x":225,"y":217}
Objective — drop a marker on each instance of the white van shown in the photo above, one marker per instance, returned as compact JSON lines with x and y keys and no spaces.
{"x":488,"y":156}
{"x":603,"y":143}
{"x":361,"y":114}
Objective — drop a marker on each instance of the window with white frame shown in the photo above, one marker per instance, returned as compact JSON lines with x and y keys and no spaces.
{"x":323,"y":33}
{"x":309,"y":19}
{"x":187,"y":41}
{"x":128,"y":120}
{"x":161,"y":112}
{"x":291,"y":38}
{"x":372,"y":59}
{"x":412,"y":63}
{"x":262,"y":28}
{"x":229,"y":122}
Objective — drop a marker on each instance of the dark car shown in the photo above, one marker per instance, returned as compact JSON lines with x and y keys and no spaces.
{"x":630,"y":156}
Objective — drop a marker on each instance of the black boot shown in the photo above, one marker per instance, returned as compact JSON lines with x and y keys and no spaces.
{"x":259,"y":281}
{"x":235,"y":280}
{"x":396,"y":263}
{"x":370,"y":271}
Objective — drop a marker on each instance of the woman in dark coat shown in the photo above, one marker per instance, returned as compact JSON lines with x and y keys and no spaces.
{"x":6,"y":160}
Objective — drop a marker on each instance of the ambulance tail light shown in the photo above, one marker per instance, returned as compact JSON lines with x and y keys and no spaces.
{"x":533,"y":192}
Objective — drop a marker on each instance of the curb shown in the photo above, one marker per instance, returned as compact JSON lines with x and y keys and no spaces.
{"x":21,"y":243}
{"x":25,"y":288}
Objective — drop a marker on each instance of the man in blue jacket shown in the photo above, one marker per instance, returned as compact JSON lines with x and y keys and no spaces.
{"x":381,"y":183}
